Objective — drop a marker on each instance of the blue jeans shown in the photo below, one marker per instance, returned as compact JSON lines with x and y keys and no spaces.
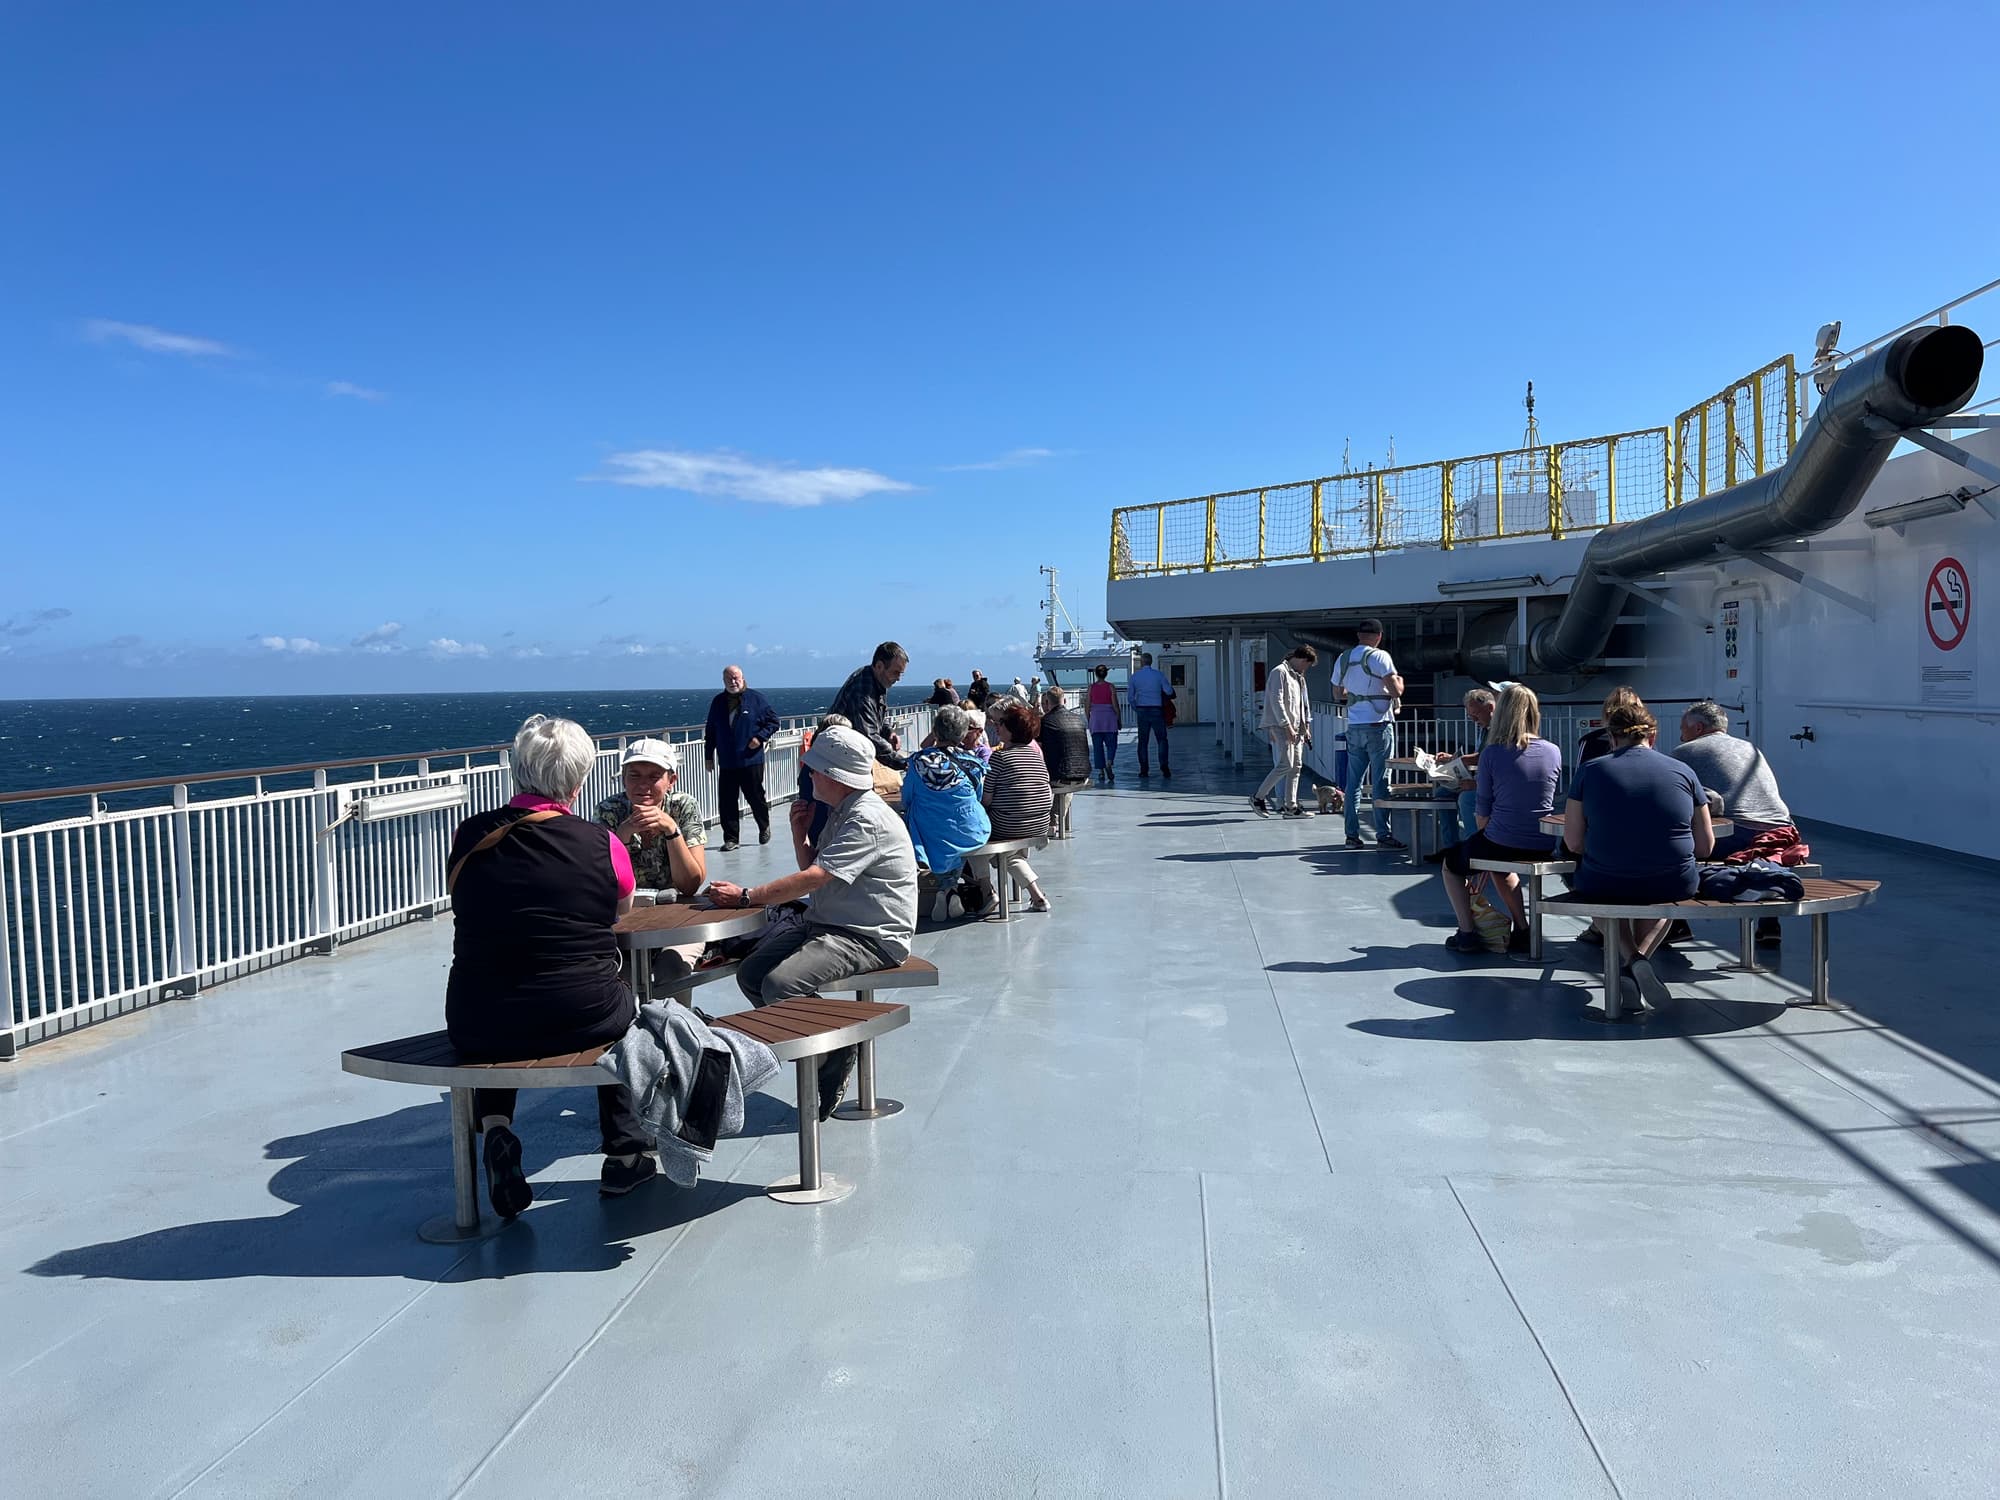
{"x":1367,"y":759}
{"x":1468,"y":813}
{"x":1103,"y":750}
{"x":1153,"y":722}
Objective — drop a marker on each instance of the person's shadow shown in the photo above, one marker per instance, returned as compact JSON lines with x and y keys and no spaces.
{"x":1526,"y":1007}
{"x":360,"y":1190}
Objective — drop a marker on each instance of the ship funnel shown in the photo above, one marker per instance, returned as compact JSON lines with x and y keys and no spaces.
{"x":1920,"y":378}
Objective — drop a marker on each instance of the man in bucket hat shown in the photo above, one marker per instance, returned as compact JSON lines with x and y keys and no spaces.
{"x":861,"y":875}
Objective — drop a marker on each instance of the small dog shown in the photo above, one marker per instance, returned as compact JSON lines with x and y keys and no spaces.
{"x":1331,"y":799}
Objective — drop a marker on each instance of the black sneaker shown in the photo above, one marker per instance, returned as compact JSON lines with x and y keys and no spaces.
{"x":836,"y":1071}
{"x":1465,"y":942}
{"x":1390,"y":841}
{"x":1590,"y":937}
{"x":1166,"y":775}
{"x":506,"y":1185}
{"x":729,"y":844}
{"x":1648,"y":979}
{"x":1678,"y":932}
{"x":1261,"y":807}
{"x":1354,"y":844}
{"x":1295,"y":811}
{"x":1769,"y":933}
{"x":1518,"y":941}
{"x":764,"y":834}
{"x":618,"y":1179}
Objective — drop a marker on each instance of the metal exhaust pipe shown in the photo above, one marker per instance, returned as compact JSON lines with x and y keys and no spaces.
{"x":1921,"y":378}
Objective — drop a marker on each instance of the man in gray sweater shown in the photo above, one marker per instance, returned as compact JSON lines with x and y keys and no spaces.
{"x":1736,"y":771}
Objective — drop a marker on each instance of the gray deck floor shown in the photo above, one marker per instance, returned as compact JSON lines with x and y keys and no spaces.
{"x":1224,"y":1179}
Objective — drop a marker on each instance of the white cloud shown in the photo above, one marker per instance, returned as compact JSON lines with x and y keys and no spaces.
{"x":750,"y":648}
{"x":358,"y":392}
{"x":380,"y":641}
{"x":296,"y":645}
{"x":526,"y":653}
{"x":155,"y":340}
{"x":1016,"y":458}
{"x":444,"y":645}
{"x":740,"y":477}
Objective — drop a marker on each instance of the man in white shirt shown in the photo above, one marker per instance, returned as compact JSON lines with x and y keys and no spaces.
{"x":1288,"y":724}
{"x":1365,"y":680}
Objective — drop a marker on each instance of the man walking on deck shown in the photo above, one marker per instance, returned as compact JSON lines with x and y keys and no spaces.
{"x":1365,"y":680}
{"x":1148,"y":691}
{"x":1288,"y":724}
{"x":863,"y":700}
{"x":740,"y":724}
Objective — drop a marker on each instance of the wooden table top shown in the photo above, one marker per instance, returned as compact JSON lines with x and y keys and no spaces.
{"x":686,"y":922}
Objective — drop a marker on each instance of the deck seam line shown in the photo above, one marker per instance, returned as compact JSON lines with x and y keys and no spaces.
{"x":1541,"y":1348}
{"x":604,"y":1327}
{"x":1918,"y":1125}
{"x":1214,"y":1358}
{"x":1263,"y":962}
{"x":311,"y":1385}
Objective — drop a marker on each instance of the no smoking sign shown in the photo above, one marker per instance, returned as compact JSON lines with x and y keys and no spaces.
{"x":1948,"y":604}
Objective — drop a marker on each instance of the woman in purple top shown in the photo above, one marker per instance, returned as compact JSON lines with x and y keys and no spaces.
{"x":1104,"y":726}
{"x":1518,"y":772}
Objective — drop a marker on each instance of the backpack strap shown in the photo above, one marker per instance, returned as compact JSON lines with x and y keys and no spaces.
{"x":493,"y":838}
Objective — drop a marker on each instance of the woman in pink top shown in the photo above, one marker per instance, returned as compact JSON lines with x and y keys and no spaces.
{"x":1104,"y":726}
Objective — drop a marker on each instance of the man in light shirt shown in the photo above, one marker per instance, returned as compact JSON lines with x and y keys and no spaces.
{"x":1365,"y":680}
{"x":1288,"y":724}
{"x":1148,"y":690}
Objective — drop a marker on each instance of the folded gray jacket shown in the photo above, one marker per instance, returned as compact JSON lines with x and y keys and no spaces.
{"x":659,"y":1060}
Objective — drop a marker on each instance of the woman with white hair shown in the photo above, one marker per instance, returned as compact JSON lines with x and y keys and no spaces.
{"x":534,"y":963}
{"x":1518,"y":772}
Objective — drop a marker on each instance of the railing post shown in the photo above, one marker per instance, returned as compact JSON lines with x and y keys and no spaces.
{"x":1208,"y":538}
{"x":1160,"y":538}
{"x":1381,"y":505}
{"x":1611,"y":481}
{"x":186,"y":960}
{"x":1554,"y":462}
{"x":1757,"y":421}
{"x":1318,"y":520}
{"x":1729,"y":441}
{"x":1499,"y":494}
{"x":1260,"y":524}
{"x":1701,"y":474}
{"x":326,"y":868}
{"x":1448,"y":510}
{"x":1791,"y":405}
{"x":8,"y":1021}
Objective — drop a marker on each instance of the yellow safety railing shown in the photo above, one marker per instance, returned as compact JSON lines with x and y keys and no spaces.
{"x":1553,"y":490}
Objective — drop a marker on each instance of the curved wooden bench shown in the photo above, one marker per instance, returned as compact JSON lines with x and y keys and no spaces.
{"x":911,"y":973}
{"x":1822,"y":897}
{"x":1531,"y":873}
{"x":798,"y":1031}
{"x":1002,"y":885}
{"x":1416,"y":807}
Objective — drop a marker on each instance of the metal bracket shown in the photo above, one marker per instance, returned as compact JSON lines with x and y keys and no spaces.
{"x":1855,"y":602}
{"x":1665,"y":601}
{"x":1833,"y":544}
{"x":1955,"y":423}
{"x":1984,"y":468}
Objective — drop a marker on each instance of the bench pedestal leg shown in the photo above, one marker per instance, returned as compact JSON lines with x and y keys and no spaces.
{"x":811,"y":1185}
{"x":1533,"y":893}
{"x":464,"y":1222}
{"x":1614,"y":964}
{"x":868,"y":1105}
{"x":1746,"y":961}
{"x":1822,"y":992}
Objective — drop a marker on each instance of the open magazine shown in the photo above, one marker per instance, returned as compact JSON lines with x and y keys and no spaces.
{"x":1448,"y":773}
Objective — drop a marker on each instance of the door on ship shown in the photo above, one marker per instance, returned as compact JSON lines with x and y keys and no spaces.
{"x":1182,"y":675}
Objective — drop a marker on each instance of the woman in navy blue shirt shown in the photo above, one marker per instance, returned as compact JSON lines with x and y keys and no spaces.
{"x":1637,"y":821}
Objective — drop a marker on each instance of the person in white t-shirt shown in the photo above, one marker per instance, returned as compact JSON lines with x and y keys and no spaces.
{"x":1365,"y":680}
{"x":1288,"y":724}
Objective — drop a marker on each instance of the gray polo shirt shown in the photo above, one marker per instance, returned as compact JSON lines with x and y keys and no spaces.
{"x":1736,"y":771}
{"x":873,"y":893}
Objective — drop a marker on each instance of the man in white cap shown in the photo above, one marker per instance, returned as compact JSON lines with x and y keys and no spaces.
{"x":661,"y":826}
{"x":861,"y":875}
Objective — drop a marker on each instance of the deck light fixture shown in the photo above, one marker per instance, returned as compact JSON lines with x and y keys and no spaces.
{"x":1491,"y":585}
{"x":403,"y":804}
{"x":1899,"y":516}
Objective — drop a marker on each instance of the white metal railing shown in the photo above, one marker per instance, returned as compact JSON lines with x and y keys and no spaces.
{"x":1563,"y":724}
{"x":120,"y":907}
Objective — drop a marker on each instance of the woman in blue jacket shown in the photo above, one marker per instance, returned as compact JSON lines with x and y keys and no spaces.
{"x":941,"y":787}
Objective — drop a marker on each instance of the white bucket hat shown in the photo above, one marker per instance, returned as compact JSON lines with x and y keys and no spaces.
{"x":653,"y":753}
{"x":843,"y":756}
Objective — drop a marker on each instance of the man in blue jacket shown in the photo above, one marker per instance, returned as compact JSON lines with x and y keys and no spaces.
{"x":740,"y":725}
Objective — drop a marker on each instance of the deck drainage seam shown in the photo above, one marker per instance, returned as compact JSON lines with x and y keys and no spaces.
{"x":1264,"y":963}
{"x":617,"y":1309}
{"x":1541,"y":1348}
{"x":1214,"y":1358}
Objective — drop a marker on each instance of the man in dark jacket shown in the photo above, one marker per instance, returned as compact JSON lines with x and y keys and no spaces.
{"x":864,"y":701}
{"x":740,"y":724}
{"x":1065,"y":741}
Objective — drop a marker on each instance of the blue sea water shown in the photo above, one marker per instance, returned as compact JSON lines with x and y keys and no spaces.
{"x":61,"y":742}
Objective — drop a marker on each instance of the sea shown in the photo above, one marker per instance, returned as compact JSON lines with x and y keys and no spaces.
{"x":65,"y":742}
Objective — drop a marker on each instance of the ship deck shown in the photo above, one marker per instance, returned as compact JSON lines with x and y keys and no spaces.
{"x":1225,"y":1179}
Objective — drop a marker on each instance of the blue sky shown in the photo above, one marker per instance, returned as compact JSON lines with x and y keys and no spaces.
{"x":405,"y":347}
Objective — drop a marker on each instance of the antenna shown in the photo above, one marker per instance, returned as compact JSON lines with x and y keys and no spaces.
{"x":1532,"y":438}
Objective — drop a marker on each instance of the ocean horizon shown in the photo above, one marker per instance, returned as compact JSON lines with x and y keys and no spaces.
{"x":47,"y":743}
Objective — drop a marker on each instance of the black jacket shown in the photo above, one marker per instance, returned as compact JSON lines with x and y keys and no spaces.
{"x":1065,"y":740}
{"x":862,"y":699}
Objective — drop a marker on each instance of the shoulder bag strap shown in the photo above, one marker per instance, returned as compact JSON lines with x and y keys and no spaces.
{"x":493,"y":838}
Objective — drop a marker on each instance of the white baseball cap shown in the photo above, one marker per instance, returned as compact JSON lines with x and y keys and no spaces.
{"x":653,"y":753}
{"x":843,"y":755}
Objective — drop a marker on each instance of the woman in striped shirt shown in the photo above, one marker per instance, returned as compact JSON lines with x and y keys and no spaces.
{"x":1018,"y":798}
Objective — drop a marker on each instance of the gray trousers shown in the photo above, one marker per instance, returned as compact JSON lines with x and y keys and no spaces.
{"x":796,"y":960}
